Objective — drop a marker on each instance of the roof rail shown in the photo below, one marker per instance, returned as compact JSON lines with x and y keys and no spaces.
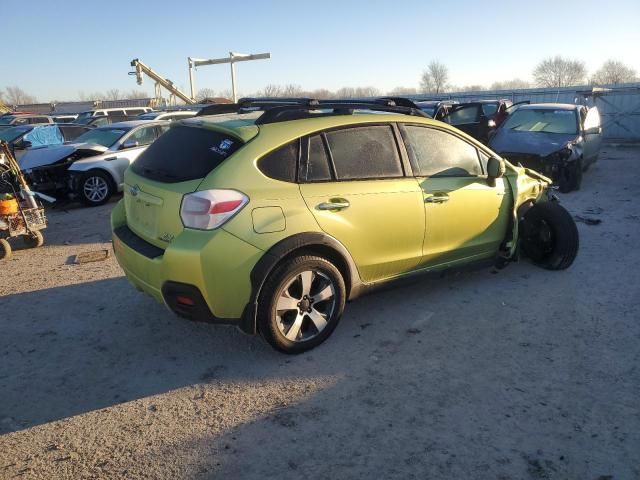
{"x":282,"y":109}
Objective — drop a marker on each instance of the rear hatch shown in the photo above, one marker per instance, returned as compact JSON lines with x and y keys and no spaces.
{"x":175,"y":164}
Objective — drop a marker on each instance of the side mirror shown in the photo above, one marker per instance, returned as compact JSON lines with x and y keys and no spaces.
{"x":24,"y":144}
{"x":129,"y":144}
{"x":495,"y":169}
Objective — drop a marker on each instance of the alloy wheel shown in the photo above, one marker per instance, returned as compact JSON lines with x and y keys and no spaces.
{"x":305,"y":305}
{"x":95,"y":189}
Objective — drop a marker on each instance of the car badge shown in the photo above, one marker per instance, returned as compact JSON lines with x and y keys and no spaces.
{"x":134,"y":190}
{"x":225,"y":144}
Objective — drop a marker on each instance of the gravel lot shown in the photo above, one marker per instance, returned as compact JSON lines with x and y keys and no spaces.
{"x":515,"y":374}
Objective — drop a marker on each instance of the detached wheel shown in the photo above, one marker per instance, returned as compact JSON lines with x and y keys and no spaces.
{"x":571,"y":177}
{"x":301,"y":304}
{"x":95,"y":188}
{"x":33,"y":240}
{"x":5,"y":249}
{"x":549,"y":236}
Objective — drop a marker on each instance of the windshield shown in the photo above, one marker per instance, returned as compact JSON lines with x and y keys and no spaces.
{"x":542,"y":120}
{"x":148,"y":116}
{"x":10,"y":134}
{"x":102,"y":136}
{"x":83,"y":115}
{"x":428,"y":110}
{"x":6,"y":119}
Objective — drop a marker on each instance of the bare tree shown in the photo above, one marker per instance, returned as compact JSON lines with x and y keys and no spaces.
{"x":346,"y":92}
{"x":513,"y":84}
{"x":271,"y":90}
{"x":205,"y":93}
{"x":291,"y":90}
{"x":435,"y":77}
{"x":16,"y":96}
{"x":559,"y":72}
{"x":321,"y":94}
{"x":467,"y":88}
{"x":398,"y":91}
{"x":112,"y":94}
{"x":136,"y":94}
{"x":613,"y":72}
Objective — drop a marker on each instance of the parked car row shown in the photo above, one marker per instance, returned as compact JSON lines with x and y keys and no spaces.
{"x":559,"y":140}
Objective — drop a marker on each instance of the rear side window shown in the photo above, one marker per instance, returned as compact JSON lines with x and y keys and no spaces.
{"x":470,"y":114}
{"x":364,"y":152}
{"x":434,"y":153}
{"x":185,"y":153}
{"x":282,"y":163}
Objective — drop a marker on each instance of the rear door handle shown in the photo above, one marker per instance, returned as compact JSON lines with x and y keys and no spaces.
{"x":437,"y":199}
{"x":337,"y":204}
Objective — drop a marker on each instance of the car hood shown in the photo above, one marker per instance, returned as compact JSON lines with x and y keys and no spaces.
{"x":537,"y":143}
{"x":39,"y":157}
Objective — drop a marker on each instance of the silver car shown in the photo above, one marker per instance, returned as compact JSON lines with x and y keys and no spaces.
{"x":92,"y":167}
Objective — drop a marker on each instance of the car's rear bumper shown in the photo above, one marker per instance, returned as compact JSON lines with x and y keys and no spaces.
{"x":211,"y":269}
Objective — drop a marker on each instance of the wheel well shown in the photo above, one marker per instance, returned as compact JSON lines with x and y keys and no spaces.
{"x":326,"y":252}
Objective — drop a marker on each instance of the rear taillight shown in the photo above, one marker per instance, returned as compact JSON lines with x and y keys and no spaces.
{"x":209,"y":209}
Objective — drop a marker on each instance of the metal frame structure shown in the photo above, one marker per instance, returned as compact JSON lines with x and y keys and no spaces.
{"x":160,"y":82}
{"x":232,"y":59}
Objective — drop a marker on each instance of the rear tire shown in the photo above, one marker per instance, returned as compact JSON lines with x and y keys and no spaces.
{"x":33,"y":240}
{"x":549,"y":236}
{"x":96,"y":188}
{"x":301,"y":304}
{"x":5,"y":249}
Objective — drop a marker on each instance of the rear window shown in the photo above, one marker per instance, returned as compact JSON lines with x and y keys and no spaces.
{"x":185,"y":153}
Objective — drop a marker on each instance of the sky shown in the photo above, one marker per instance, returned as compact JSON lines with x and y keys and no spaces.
{"x":64,"y":47}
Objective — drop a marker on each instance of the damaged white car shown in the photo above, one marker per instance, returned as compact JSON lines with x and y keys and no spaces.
{"x":91,"y":169}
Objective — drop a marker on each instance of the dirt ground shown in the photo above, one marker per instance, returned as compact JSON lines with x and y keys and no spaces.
{"x":516,"y":374}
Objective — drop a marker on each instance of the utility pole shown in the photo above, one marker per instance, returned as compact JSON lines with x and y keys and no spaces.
{"x":231,"y":59}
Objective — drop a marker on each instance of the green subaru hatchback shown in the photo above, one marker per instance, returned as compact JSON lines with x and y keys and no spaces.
{"x":274,"y":214}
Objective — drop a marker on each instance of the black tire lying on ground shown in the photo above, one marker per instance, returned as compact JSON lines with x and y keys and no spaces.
{"x":549,"y":236}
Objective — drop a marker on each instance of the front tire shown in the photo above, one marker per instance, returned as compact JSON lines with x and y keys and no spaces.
{"x":5,"y":249}
{"x":301,"y":304}
{"x":571,"y":177}
{"x":549,"y":236}
{"x":95,"y":188}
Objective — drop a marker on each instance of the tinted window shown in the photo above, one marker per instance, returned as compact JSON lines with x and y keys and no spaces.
{"x":317,"y":168}
{"x":39,"y":120}
{"x":364,"y":152}
{"x":115,"y":113}
{"x":144,"y":136}
{"x":489,"y":109}
{"x":462,"y":115}
{"x":282,"y":163}
{"x":434,"y":153}
{"x":185,"y":153}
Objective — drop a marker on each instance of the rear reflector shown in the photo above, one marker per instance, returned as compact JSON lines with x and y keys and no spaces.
{"x":182,"y":300}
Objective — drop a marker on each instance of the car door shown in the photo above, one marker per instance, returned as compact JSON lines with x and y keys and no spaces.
{"x":592,"y":134}
{"x":353,"y":181}
{"x":465,"y":118}
{"x":466,"y":218}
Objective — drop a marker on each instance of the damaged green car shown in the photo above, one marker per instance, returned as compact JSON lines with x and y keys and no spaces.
{"x":273,"y":215}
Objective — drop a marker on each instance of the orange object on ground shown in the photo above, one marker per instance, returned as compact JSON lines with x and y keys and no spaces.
{"x":7,"y":207}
